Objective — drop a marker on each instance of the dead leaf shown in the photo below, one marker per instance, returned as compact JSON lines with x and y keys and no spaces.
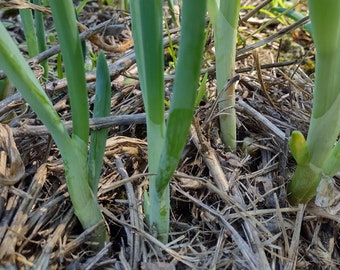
{"x":158,"y":266}
{"x":11,"y":166}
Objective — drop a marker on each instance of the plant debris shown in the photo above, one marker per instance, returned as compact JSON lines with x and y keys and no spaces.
{"x":229,"y":210}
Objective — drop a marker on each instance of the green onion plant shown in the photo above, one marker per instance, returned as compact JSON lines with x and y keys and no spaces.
{"x":82,"y":169}
{"x":41,"y":38}
{"x":224,"y":17}
{"x":318,"y":157}
{"x":166,"y":141}
{"x":29,"y":30}
{"x":34,"y":31}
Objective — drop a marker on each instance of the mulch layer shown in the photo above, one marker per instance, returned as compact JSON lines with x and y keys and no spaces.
{"x":229,"y":209}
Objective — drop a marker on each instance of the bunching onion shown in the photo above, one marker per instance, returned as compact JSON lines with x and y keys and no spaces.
{"x":224,"y":18}
{"x":82,"y":166}
{"x":318,"y":157}
{"x":166,"y":140}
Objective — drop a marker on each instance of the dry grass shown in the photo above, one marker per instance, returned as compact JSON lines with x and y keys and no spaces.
{"x":229,"y":210}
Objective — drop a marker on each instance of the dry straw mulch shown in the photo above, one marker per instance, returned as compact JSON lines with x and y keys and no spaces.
{"x":229,"y":210}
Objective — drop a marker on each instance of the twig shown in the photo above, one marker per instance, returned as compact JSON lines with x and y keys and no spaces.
{"x":135,"y":217}
{"x":43,"y":260}
{"x":259,"y":75}
{"x":56,"y":49}
{"x":210,"y":158}
{"x":92,"y":261}
{"x":255,"y":10}
{"x":243,"y":106}
{"x":294,"y":246}
{"x":95,"y":124}
{"x":271,"y":38}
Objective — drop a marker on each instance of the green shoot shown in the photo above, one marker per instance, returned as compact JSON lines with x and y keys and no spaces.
{"x":147,"y":33}
{"x":172,"y":50}
{"x":74,"y":72}
{"x":224,"y":17}
{"x":60,"y":71}
{"x":74,"y":149}
{"x":29,"y":30}
{"x":317,"y":157}
{"x":5,"y":88}
{"x":81,"y":6}
{"x":102,"y":107}
{"x":41,"y":40}
{"x":165,"y":146}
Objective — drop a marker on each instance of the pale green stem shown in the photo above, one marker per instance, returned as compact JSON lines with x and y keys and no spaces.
{"x":181,"y":109}
{"x":325,"y":121}
{"x":147,"y":33}
{"x":76,"y":159}
{"x":84,"y":201}
{"x":224,"y":16}
{"x":73,"y":151}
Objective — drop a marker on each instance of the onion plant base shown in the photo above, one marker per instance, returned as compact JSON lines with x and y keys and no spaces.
{"x":165,"y":144}
{"x":84,"y":201}
{"x":302,"y":187}
{"x":317,"y":156}
{"x":159,"y":213}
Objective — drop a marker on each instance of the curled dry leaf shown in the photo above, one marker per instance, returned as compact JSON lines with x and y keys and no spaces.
{"x":11,"y":165}
{"x":22,"y":4}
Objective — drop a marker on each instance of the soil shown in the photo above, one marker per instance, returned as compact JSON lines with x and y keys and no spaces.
{"x":229,"y":210}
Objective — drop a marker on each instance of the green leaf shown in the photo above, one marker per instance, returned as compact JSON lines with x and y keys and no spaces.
{"x":21,"y":76}
{"x":29,"y":30}
{"x":201,"y":90}
{"x":304,"y":183}
{"x":183,"y":101}
{"x":101,"y":108}
{"x":147,"y":19}
{"x":68,"y":34}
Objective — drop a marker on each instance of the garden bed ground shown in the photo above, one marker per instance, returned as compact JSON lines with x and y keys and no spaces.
{"x":229,"y":210}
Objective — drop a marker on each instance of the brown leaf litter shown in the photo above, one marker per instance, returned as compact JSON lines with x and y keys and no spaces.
{"x":229,"y":210}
